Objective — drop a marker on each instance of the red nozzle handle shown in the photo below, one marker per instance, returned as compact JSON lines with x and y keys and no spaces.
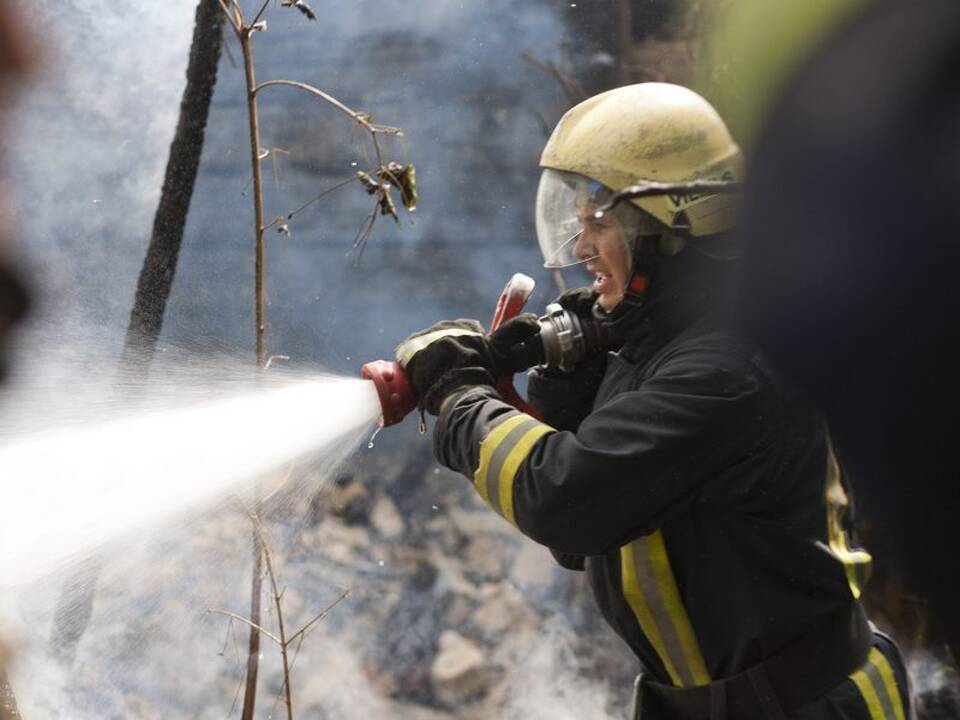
{"x":512,"y":300}
{"x":511,"y":303}
{"x":396,"y":395}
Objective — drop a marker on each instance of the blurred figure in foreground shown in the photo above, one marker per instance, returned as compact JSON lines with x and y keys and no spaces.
{"x":853,"y":232}
{"x":15,"y":62}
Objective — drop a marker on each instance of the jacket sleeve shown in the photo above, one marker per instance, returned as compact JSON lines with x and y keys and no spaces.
{"x":562,"y":399}
{"x":633,"y":461}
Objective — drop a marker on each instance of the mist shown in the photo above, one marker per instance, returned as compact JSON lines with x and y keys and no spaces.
{"x":89,"y":149}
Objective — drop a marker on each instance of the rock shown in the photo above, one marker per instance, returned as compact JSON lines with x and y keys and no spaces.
{"x":460,"y":610}
{"x":533,"y":567}
{"x":459,"y":671}
{"x":474,"y":522}
{"x":484,"y":557}
{"x":348,"y":499}
{"x":399,"y":658}
{"x":504,"y":611}
{"x":386,"y":519}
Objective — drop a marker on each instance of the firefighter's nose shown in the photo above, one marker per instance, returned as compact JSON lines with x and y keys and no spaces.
{"x":583,"y":247}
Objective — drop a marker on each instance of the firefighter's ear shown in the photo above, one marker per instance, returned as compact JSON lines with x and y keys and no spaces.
{"x":669,"y":245}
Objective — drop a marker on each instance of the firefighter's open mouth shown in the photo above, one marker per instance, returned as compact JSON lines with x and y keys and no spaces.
{"x":603,"y":283}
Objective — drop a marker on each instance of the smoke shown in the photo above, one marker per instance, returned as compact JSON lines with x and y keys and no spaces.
{"x":88,"y":150}
{"x":935,"y":685}
{"x":127,"y":501}
{"x":550,"y":680}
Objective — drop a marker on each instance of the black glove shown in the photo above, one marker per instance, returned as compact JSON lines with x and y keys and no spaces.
{"x":444,"y":358}
{"x":510,"y":355}
{"x":566,"y":398}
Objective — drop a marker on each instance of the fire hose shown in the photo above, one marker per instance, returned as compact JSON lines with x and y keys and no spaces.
{"x":563,"y":340}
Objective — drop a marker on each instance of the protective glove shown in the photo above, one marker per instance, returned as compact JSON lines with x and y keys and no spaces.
{"x":565,"y":398}
{"x":457,"y":353}
{"x":445,"y":357}
{"x":510,"y":356}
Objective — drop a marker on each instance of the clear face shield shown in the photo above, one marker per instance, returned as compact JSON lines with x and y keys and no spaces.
{"x":566,"y":229}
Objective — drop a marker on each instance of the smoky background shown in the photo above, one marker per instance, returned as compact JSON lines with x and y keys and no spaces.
{"x":476,"y":88}
{"x":86,"y":156}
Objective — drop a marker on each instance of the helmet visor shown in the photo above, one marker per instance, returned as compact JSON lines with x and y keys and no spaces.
{"x":563,"y":200}
{"x":565,"y":205}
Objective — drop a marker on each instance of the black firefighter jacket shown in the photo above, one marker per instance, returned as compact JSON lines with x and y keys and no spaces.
{"x":701,"y":496}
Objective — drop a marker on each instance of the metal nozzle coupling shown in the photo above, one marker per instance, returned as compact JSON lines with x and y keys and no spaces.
{"x":567,"y":338}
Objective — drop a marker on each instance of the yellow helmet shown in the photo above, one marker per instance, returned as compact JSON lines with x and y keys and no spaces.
{"x":649,"y":131}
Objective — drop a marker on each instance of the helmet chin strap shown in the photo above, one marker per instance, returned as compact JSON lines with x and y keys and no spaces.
{"x":641,"y":272}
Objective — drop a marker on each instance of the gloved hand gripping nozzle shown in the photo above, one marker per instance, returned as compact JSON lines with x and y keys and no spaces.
{"x":564,"y":338}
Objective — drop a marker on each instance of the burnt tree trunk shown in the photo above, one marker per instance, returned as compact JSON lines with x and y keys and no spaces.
{"x":75,"y":604}
{"x":160,"y":264}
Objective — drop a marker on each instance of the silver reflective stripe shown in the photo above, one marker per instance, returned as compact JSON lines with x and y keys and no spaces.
{"x":651,"y":591}
{"x":874,"y":674}
{"x":878,"y":688}
{"x":407,"y":349}
{"x":661,"y":616}
{"x":499,"y":457}
{"x":502,"y":451}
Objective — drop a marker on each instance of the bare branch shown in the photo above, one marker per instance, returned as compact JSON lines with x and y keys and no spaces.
{"x":270,"y":362}
{"x":358,"y":117}
{"x":260,"y":12}
{"x":226,"y":11}
{"x":318,"y":618}
{"x":230,"y":57}
{"x":329,"y":190}
{"x":277,"y":596}
{"x":236,"y":695}
{"x":276,"y":164}
{"x":571,"y":86}
{"x":242,"y":619}
{"x":236,"y":21}
{"x":363,"y":233}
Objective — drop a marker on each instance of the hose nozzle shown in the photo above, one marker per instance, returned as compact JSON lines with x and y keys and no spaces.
{"x":396,"y":396}
{"x":565,"y":338}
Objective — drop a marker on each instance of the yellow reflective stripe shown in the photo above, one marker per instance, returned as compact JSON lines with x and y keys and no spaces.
{"x":678,"y":613}
{"x":487,"y":447}
{"x":865,"y":687}
{"x":502,"y":452}
{"x":878,"y":687}
{"x":512,"y":463}
{"x":638,"y":603}
{"x":856,"y":563}
{"x":650,"y":589}
{"x":889,"y":682}
{"x":407,"y":349}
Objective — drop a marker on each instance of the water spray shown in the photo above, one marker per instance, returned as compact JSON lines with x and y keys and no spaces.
{"x":563,"y":340}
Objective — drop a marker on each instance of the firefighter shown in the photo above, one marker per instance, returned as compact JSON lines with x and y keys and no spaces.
{"x":696,"y":488}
